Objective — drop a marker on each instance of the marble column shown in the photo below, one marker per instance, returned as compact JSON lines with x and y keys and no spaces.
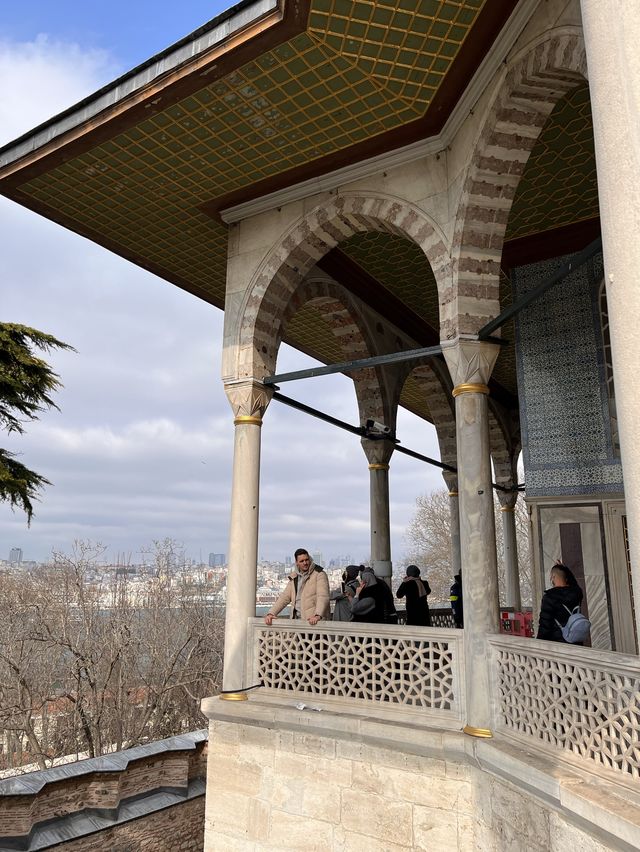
{"x":510,"y":550}
{"x":378,"y":453}
{"x":249,"y":400}
{"x":451,"y":480}
{"x":612,"y":36}
{"x":470,"y":363}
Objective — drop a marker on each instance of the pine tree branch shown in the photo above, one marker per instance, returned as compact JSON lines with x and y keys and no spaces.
{"x":26,"y":381}
{"x":18,"y":484}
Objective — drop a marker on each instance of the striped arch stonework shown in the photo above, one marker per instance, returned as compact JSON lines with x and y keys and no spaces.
{"x":524,"y":101}
{"x":288,"y":263}
{"x":441,"y":410}
{"x":343,"y":313}
{"x":505,"y":445}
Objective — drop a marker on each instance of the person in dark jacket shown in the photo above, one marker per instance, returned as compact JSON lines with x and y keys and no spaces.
{"x":415,"y":591}
{"x":558,"y":602}
{"x":455,"y":596}
{"x":369,"y":601}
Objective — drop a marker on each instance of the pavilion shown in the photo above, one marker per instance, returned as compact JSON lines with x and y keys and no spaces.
{"x":447,"y":191}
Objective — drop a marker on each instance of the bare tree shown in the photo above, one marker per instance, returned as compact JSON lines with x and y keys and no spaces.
{"x":429,"y":539}
{"x":92,"y":661}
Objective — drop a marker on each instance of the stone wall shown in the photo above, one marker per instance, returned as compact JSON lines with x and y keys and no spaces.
{"x":176,"y":829}
{"x":278,"y":789}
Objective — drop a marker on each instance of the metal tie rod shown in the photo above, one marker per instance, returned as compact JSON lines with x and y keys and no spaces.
{"x":361,"y":432}
{"x":352,"y":366}
{"x":356,"y":430}
{"x":570,"y":266}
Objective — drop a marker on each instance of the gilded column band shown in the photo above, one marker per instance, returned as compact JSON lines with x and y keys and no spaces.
{"x":246,"y":418}
{"x":378,"y":467}
{"x":477,"y":732}
{"x":234,"y":696}
{"x":470,"y":387}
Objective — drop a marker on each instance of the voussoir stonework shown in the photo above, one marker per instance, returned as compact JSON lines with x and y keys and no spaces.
{"x":290,"y":260}
{"x":526,"y":96}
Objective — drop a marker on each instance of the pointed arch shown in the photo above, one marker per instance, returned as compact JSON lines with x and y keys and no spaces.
{"x":529,"y":90}
{"x":343,"y":314}
{"x":258,"y":324}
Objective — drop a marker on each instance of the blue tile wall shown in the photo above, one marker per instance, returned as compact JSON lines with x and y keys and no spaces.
{"x":564,"y":409}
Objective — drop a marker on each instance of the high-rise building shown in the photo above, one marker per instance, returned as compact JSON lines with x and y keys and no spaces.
{"x":15,"y":555}
{"x":216,"y":559}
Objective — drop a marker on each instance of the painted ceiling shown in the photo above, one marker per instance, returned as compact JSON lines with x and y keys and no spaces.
{"x":356,"y":76}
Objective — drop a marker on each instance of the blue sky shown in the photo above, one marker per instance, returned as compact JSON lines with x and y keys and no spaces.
{"x":142,"y":445}
{"x":130,"y":32}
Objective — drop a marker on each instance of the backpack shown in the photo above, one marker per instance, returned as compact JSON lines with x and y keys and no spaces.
{"x":577,"y":628}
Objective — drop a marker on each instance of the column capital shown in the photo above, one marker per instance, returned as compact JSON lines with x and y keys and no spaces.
{"x":507,"y":499}
{"x":451,"y":481}
{"x":248,"y":399}
{"x":378,"y":452}
{"x":470,"y":363}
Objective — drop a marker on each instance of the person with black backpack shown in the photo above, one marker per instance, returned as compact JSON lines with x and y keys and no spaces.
{"x":560,"y":616}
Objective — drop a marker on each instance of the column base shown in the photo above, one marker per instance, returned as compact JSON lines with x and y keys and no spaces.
{"x":477,"y":732}
{"x":234,"y":696}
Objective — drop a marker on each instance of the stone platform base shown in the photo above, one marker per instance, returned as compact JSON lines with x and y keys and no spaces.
{"x":283,"y":779}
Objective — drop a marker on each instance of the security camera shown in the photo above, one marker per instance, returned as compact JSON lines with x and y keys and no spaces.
{"x":377,"y":428}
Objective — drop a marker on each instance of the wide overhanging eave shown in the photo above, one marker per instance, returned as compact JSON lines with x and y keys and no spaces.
{"x":210,"y":37}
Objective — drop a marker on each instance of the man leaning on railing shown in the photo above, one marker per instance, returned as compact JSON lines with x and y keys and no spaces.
{"x":307,"y":591}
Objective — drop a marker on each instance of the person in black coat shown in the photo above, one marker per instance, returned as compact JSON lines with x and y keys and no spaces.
{"x":373,"y":600}
{"x":369,"y":601}
{"x":415,"y":591}
{"x":558,"y":603}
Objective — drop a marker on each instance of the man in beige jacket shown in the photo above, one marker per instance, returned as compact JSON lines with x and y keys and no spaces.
{"x":307,"y":591}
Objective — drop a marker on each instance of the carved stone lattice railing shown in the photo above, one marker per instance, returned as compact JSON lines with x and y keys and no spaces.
{"x":576,"y":701}
{"x":414,"y":669}
{"x":442,"y":617}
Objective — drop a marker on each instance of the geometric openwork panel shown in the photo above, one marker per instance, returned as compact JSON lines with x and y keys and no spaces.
{"x":582,"y":702}
{"x":392,"y":666}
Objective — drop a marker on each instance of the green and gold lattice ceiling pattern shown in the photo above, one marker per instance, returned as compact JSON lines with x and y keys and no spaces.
{"x":362,"y":68}
{"x":309,"y":326}
{"x":559,"y":185}
{"x":401,"y":266}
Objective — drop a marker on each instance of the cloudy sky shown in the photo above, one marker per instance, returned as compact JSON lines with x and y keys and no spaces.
{"x":142,"y":446}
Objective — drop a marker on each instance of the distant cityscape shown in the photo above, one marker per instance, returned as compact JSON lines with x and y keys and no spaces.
{"x":212,"y":575}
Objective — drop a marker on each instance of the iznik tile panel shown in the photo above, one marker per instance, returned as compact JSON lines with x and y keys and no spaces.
{"x":564,"y":404}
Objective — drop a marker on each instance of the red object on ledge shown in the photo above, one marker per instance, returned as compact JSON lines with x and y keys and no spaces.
{"x":516,"y":623}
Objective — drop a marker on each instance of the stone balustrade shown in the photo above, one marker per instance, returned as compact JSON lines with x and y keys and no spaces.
{"x":394,"y":668}
{"x":580,"y":703}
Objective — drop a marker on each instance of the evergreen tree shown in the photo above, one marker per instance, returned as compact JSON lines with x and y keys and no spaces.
{"x":26,"y":385}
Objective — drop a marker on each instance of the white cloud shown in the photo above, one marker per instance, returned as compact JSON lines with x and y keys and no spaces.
{"x":39,"y":79}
